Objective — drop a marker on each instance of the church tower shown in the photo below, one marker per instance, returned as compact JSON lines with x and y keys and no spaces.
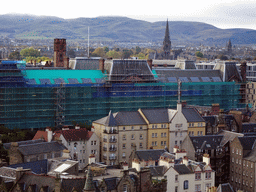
{"x":167,"y":43}
{"x":229,"y":47}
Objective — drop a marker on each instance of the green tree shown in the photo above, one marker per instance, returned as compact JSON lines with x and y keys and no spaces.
{"x":126,"y":53}
{"x":137,"y":50}
{"x":106,"y":49}
{"x":140,"y":56}
{"x":15,"y":55}
{"x":222,"y":57}
{"x":199,"y":54}
{"x":99,"y":52}
{"x":29,"y":52}
{"x":113,"y":54}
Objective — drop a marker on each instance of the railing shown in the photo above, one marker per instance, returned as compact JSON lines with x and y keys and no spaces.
{"x":105,"y":149}
{"x":112,"y":149}
{"x":112,"y":140}
{"x":114,"y":131}
{"x":105,"y":140}
{"x":112,"y":158}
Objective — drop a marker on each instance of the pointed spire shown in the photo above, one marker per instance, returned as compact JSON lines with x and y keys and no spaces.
{"x":89,"y":185}
{"x":167,"y":42}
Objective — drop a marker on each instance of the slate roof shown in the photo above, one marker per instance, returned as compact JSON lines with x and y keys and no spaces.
{"x":7,"y":172}
{"x":68,"y":184}
{"x":129,"y":118}
{"x":155,"y":116}
{"x":157,"y":171}
{"x":192,"y":115}
{"x":182,"y":169}
{"x":210,"y":119}
{"x":76,"y":134}
{"x":149,"y":154}
{"x":247,"y":142}
{"x":124,"y":118}
{"x":111,"y":183}
{"x":206,"y":142}
{"x":248,"y":127}
{"x":122,"y":69}
{"x":38,"y":180}
{"x":8,"y":145}
{"x":38,"y":148}
{"x":37,"y":167}
{"x":228,"y":70}
{"x":110,"y":121}
{"x":228,"y":136}
{"x":164,"y":74}
{"x":225,"y":187}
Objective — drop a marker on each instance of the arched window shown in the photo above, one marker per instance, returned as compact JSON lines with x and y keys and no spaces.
{"x":186,"y":184}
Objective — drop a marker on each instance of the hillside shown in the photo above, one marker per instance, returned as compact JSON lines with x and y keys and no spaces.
{"x":119,"y":29}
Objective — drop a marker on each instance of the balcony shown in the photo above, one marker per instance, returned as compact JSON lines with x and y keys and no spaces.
{"x":112,"y":149}
{"x":105,"y":149}
{"x":112,"y":158}
{"x":105,"y":157}
{"x":112,"y":131}
{"x":105,"y":140}
{"x":113,"y":140}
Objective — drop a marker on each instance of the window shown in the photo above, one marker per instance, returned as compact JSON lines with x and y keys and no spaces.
{"x":198,"y":187}
{"x":133,"y":136}
{"x":141,"y":136}
{"x":80,"y":151}
{"x":176,"y":134}
{"x":132,"y":128}
{"x":91,"y":142}
{"x":251,"y":165}
{"x":125,"y":189}
{"x":95,"y":142}
{"x":185,"y":184}
{"x":155,"y":126}
{"x":176,"y":178}
{"x":207,"y":186}
{"x":180,"y":141}
{"x":123,"y":154}
{"x":124,"y":145}
{"x":83,"y":151}
{"x":176,"y":188}
{"x":140,"y":127}
{"x":233,"y":150}
{"x":141,"y":146}
{"x":201,"y":133}
{"x":197,"y":176}
{"x":123,"y":128}
{"x":164,"y":134}
{"x":153,"y":143}
{"x":124,"y":137}
{"x":162,"y":143}
{"x":83,"y":160}
{"x":208,"y":175}
{"x":153,"y":135}
{"x":176,"y":142}
{"x":181,"y":134}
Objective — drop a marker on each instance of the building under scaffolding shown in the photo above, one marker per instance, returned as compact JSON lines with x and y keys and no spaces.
{"x":37,"y":98}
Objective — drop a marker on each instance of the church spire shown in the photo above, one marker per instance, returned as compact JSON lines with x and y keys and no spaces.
{"x":167,"y":42}
{"x":89,"y":185}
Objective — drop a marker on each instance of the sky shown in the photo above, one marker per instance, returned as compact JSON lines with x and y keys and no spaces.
{"x":223,"y":14}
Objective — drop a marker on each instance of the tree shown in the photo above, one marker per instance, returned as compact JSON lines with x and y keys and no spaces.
{"x":222,"y":57}
{"x":29,"y":52}
{"x":199,"y":54}
{"x":126,"y":53}
{"x":137,"y":50}
{"x":106,"y":49}
{"x":99,"y":52}
{"x":113,"y":54}
{"x":15,"y":55}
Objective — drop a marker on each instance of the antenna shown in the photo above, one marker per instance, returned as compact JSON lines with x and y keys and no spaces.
{"x":179,"y":92}
{"x":88,"y":43}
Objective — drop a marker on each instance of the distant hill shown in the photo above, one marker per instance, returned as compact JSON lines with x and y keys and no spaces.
{"x":120,"y":29}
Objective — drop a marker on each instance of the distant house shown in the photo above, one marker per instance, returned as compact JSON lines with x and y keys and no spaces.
{"x":26,"y":151}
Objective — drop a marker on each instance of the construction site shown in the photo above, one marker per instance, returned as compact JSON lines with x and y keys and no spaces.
{"x":32,"y":98}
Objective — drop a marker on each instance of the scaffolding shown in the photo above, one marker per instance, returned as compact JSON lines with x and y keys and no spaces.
{"x":24,"y":105}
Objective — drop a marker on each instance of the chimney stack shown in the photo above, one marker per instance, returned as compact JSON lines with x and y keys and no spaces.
{"x":101,"y":65}
{"x":92,"y":159}
{"x":206,"y":159}
{"x":49,"y":134}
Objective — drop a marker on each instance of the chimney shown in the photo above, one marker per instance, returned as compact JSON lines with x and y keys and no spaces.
{"x":243,"y":71}
{"x":185,"y":160}
{"x":20,"y":172}
{"x":149,"y":61}
{"x":92,"y":159}
{"x":65,"y":154}
{"x":184,"y":103}
{"x":180,"y":154}
{"x":179,"y":107}
{"x":77,"y":126}
{"x":215,"y":109}
{"x":49,"y":134}
{"x":175,"y":149}
{"x":101,"y":65}
{"x":136,"y":164}
{"x":125,"y":166}
{"x":206,"y":159}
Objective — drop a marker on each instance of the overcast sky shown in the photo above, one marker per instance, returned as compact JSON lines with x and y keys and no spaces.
{"x":222,"y":14}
